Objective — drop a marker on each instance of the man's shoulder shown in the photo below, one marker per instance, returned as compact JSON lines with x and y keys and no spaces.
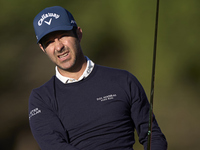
{"x":116,"y":74}
{"x":111,"y":70}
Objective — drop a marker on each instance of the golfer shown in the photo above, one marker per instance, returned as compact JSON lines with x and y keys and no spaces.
{"x":85,"y":106}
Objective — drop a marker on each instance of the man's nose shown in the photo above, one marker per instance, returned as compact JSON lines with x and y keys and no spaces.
{"x":58,"y":45}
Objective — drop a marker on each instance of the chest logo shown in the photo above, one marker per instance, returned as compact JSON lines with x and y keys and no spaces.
{"x":107,"y":97}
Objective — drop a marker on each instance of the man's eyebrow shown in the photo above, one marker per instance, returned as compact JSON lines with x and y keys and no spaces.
{"x":67,"y":31}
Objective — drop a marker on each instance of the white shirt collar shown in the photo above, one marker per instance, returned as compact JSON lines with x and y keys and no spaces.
{"x":88,"y":70}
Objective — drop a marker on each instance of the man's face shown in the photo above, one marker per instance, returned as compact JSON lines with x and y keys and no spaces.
{"x":63,"y":48}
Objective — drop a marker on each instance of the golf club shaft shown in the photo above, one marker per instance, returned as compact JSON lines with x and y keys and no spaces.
{"x":153,"y":79}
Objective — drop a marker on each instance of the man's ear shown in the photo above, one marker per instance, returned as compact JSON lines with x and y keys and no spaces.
{"x":79,"y":33}
{"x":42,"y":48}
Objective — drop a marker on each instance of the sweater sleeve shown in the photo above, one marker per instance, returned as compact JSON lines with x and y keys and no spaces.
{"x":45,"y":125}
{"x":140,"y":115}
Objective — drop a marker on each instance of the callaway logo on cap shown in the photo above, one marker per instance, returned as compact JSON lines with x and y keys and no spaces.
{"x":52,"y":19}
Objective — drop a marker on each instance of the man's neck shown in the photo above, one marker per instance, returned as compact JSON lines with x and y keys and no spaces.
{"x":76,"y":73}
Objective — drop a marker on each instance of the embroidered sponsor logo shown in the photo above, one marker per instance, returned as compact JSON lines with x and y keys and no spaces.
{"x":44,"y":16}
{"x":34,"y":112}
{"x":105,"y":98}
{"x":49,"y":22}
{"x":73,"y":22}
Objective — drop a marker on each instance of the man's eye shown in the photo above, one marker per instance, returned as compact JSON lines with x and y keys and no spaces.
{"x":64,"y":35}
{"x":47,"y":43}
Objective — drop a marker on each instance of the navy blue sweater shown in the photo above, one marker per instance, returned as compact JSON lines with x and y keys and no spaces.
{"x":100,"y":112}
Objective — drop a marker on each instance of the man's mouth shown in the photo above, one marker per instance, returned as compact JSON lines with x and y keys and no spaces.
{"x":64,"y":55}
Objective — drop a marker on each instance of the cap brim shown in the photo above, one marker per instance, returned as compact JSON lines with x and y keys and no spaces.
{"x":60,"y":28}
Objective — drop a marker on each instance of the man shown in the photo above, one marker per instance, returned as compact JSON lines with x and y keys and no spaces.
{"x":85,"y":106}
